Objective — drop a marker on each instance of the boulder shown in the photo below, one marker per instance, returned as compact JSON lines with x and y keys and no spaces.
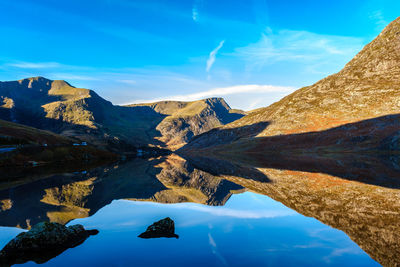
{"x":162,"y":228}
{"x":44,"y":241}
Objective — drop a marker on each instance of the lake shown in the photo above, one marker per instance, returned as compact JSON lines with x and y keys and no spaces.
{"x":225,"y":213}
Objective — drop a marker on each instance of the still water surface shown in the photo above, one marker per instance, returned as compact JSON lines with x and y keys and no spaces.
{"x":220,"y":220}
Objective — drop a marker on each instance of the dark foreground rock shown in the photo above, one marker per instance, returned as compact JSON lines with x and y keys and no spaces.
{"x":162,"y":228}
{"x":43,"y":242}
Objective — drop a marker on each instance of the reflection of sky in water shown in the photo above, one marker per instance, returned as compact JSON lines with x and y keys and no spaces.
{"x":249,"y":230}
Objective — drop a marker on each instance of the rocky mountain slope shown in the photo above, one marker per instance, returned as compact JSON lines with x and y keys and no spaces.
{"x":367,"y":87}
{"x":81,"y":113}
{"x":183,"y":120}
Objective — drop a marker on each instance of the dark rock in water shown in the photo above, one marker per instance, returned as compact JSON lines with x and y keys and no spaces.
{"x":162,"y":228}
{"x":43,"y":242}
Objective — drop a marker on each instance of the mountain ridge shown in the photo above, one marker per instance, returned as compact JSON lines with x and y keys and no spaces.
{"x":366,"y":88}
{"x":57,"y":106}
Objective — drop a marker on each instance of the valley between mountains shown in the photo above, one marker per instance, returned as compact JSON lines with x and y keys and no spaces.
{"x":356,"y":109}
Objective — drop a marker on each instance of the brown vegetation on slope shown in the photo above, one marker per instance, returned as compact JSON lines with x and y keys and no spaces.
{"x":367,"y":87}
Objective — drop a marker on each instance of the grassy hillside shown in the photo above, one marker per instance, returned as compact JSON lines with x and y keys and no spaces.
{"x":17,"y":134}
{"x":81,"y":113}
{"x":30,"y":146}
{"x":366,"y":88}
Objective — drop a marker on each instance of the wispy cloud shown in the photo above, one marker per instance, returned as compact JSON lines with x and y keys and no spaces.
{"x":213,"y":55}
{"x":67,"y":76}
{"x":235,"y":213}
{"x":195,"y":14}
{"x":223,"y":91}
{"x":227,"y":212}
{"x":379,"y":19}
{"x":195,"y":10}
{"x":32,"y":65}
{"x":129,"y":82}
{"x":215,"y":251}
{"x":339,"y":252}
{"x":298,"y":46}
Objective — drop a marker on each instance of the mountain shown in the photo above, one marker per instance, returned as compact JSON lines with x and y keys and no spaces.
{"x":81,"y":113}
{"x":366,"y":88}
{"x":14,"y":134}
{"x":22,"y":145}
{"x":183,"y":120}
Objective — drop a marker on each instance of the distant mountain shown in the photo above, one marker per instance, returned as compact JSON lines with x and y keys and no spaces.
{"x":81,"y":113}
{"x":183,"y":120}
{"x":366,"y":88}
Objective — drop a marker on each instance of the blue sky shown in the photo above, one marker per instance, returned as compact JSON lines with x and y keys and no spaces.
{"x":251,"y":52}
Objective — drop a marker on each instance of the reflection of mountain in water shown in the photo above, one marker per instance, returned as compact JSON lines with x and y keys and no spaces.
{"x":363,"y":200}
{"x":358,"y":195}
{"x":62,"y":198}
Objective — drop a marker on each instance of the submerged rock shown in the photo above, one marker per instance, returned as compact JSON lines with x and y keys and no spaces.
{"x":162,"y":228}
{"x":43,"y":242}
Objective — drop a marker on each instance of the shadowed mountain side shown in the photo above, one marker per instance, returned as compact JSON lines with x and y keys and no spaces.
{"x":221,"y":136}
{"x":61,"y":198}
{"x":17,"y":134}
{"x":377,"y":135}
{"x":366,"y":88}
{"x":81,"y":113}
{"x":184,"y":120}
{"x":366,"y":151}
{"x":23,"y":145}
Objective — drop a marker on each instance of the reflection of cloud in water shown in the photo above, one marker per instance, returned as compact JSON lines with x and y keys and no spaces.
{"x":227,"y":212}
{"x":341,"y":251}
{"x":214,"y":249}
{"x":244,"y":214}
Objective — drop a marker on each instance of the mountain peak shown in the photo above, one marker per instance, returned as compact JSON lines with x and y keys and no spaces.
{"x":366,"y":88}
{"x":381,"y":56}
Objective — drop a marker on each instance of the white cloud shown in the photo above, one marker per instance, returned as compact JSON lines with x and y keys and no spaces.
{"x":32,"y":65}
{"x":224,"y":91}
{"x":212,"y":56}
